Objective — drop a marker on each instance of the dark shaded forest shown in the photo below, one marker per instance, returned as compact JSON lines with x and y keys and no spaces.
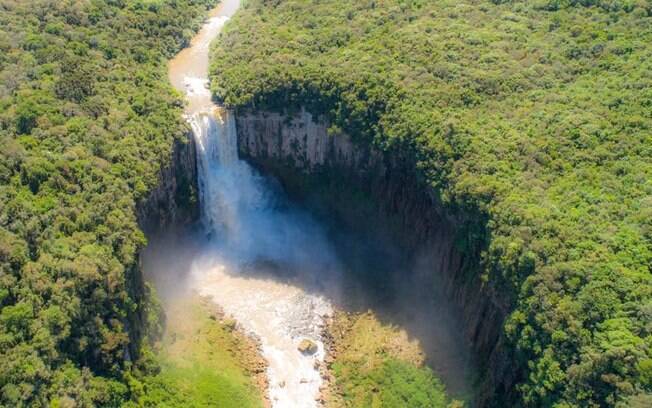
{"x":533,"y":117}
{"x":87,"y":120}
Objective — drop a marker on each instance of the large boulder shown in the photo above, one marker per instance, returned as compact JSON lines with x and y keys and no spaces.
{"x":307,"y":346}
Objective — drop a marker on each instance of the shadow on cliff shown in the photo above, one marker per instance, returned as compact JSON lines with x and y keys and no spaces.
{"x":356,"y":268}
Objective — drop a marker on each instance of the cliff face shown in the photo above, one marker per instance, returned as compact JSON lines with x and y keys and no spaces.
{"x":174,"y":199}
{"x":172,"y":202}
{"x":304,"y":156}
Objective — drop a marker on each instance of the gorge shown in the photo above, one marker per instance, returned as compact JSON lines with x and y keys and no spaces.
{"x":280,"y":268}
{"x":326,"y":203}
{"x":396,"y":244}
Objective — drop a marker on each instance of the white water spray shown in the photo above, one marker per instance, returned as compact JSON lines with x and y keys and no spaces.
{"x":250,"y":229}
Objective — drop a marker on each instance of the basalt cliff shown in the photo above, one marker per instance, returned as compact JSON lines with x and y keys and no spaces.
{"x":381,"y":192}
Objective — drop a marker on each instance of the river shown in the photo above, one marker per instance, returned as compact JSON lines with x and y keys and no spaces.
{"x":249,"y":229}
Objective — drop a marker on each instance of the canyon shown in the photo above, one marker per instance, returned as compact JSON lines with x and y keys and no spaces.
{"x":358,"y":231}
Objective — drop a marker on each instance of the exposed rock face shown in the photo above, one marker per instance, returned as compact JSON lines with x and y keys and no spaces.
{"x":298,"y":148}
{"x":300,"y":139}
{"x":170,"y":203}
{"x":173,"y":200}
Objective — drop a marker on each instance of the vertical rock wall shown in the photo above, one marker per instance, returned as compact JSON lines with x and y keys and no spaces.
{"x":174,"y":199}
{"x":303,"y":154}
{"x":172,"y":202}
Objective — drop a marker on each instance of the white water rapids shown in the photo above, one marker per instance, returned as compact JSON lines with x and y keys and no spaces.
{"x":252,"y":231}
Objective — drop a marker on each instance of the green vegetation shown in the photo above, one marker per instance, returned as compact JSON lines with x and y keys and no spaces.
{"x":377,"y":366}
{"x":393,"y":384}
{"x":87,"y":119}
{"x":533,"y":118}
{"x":204,"y":363}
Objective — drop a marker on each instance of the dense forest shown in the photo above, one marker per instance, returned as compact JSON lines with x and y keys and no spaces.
{"x":534,"y":117}
{"x":87,"y":119}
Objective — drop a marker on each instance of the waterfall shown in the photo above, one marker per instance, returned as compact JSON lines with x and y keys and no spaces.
{"x":251,"y":230}
{"x":242,"y":210}
{"x":250,"y":227}
{"x":231,"y":193}
{"x":217,"y":168}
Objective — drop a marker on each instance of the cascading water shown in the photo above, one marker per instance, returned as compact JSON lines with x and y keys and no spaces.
{"x":250,"y":228}
{"x":217,"y":163}
{"x":256,"y":242}
{"x":245,"y":213}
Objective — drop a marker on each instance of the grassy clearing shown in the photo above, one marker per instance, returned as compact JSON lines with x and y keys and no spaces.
{"x":204,"y":362}
{"x":376,"y":365}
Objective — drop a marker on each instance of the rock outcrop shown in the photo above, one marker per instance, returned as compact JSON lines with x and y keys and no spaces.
{"x":307,"y":346}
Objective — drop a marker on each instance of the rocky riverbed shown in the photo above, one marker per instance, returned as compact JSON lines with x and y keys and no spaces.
{"x":280,"y":317}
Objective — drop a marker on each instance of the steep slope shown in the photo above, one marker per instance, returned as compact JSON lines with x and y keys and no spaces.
{"x":530,"y":119}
